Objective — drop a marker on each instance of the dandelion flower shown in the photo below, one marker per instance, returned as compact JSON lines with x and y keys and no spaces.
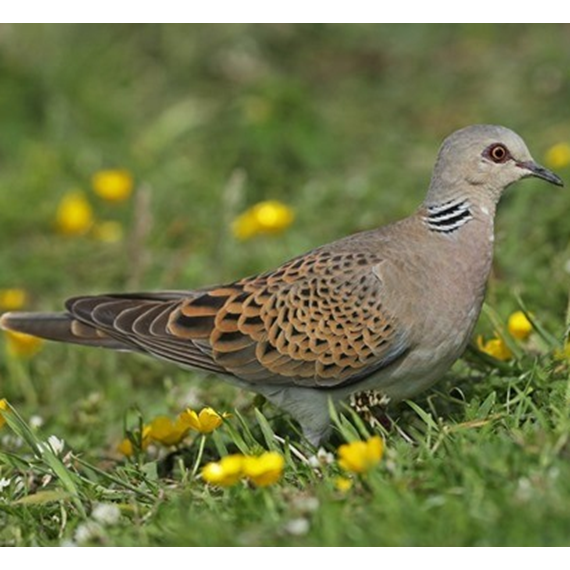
{"x":558,"y":155}
{"x":360,"y":456}
{"x":268,"y":217}
{"x":74,"y":214}
{"x":205,"y":422}
{"x":265,"y":469}
{"x":226,"y":472}
{"x":21,"y":345}
{"x":168,"y":432}
{"x":495,"y":347}
{"x":519,"y":326}
{"x":113,"y":185}
{"x":12,"y":299}
{"x":3,"y":408}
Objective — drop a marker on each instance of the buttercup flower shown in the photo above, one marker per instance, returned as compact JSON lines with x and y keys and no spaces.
{"x":265,"y":469}
{"x":126,"y":446}
{"x":268,"y":217}
{"x":558,"y":155}
{"x":3,"y":408}
{"x":74,"y":214}
{"x":205,"y":422}
{"x":113,"y":185}
{"x":22,"y":345}
{"x":343,"y":484}
{"x":12,"y":299}
{"x":225,"y":472}
{"x":360,"y":456}
{"x":168,"y":432}
{"x":519,"y":326}
{"x":495,"y":347}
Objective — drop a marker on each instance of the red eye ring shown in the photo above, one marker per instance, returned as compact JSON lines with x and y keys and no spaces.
{"x":498,"y":153}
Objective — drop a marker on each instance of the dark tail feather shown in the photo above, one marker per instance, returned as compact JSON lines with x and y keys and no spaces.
{"x":60,"y":327}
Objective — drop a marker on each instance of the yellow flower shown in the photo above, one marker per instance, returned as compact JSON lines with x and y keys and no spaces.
{"x":205,"y":422}
{"x":163,"y":430}
{"x":12,"y":299}
{"x":3,"y":408}
{"x":126,"y":446}
{"x":225,"y":472}
{"x":519,"y":326}
{"x":360,"y":456}
{"x":558,"y":156}
{"x":267,"y":217}
{"x":265,"y":469}
{"x":74,"y":214}
{"x":22,"y":345}
{"x":495,"y":347}
{"x":113,"y":185}
{"x":109,"y":231}
{"x":343,"y":484}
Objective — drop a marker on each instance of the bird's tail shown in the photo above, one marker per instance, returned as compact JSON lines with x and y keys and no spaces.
{"x":60,"y":327}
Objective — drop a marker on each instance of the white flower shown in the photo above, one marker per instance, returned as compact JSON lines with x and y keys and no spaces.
{"x":107,"y":514}
{"x":36,"y":422}
{"x":322,"y":457}
{"x":4,"y":483}
{"x":11,"y":441}
{"x":298,"y":527}
{"x":54,"y":444}
{"x":87,"y":532}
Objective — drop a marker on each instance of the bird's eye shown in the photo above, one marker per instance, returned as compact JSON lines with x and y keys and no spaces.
{"x":497,"y":153}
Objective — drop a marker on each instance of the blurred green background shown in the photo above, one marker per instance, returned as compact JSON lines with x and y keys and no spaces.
{"x":340,"y":122}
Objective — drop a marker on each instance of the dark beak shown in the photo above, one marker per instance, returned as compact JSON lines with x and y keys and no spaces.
{"x":538,"y":171}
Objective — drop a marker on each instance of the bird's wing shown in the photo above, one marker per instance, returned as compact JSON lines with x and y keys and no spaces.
{"x":317,"y":321}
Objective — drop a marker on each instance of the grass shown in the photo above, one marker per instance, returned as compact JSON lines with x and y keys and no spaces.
{"x":342,"y":123}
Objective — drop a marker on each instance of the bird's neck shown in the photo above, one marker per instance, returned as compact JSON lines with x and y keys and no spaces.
{"x":449,"y":215}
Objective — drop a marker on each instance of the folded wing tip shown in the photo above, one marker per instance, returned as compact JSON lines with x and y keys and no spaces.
{"x":5,"y":321}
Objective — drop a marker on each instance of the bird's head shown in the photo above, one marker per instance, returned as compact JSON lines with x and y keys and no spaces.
{"x":481,"y":161}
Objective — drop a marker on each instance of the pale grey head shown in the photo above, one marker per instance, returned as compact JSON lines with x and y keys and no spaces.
{"x":479,"y":162}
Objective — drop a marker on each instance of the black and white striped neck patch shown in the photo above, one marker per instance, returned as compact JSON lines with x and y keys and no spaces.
{"x":448,"y":216}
